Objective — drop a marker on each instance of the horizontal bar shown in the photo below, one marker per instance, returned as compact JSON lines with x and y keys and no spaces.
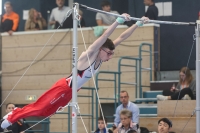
{"x":109,"y":72}
{"x":110,"y":116}
{"x":62,"y":113}
{"x":138,"y":19}
{"x":146,"y":68}
{"x":146,"y":99}
{"x":129,"y":57}
{"x":145,"y":86}
{"x":45,"y":122}
{"x":84,"y":115}
{"x":169,"y":81}
{"x":128,"y":83}
{"x":106,"y":79}
{"x":107,"y":98}
{"x":128,"y":71}
{"x":146,"y":51}
{"x":83,"y":96}
{"x":87,"y":88}
{"x":128,"y":65}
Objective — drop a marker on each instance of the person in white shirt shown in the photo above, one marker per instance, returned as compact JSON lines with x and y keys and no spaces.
{"x":104,"y":19}
{"x":58,"y":14}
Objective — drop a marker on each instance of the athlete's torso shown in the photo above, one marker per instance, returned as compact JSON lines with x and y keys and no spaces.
{"x":83,"y":75}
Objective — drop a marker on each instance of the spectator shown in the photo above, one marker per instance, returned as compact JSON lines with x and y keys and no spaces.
{"x":102,"y":127}
{"x":126,"y":104}
{"x":35,"y":21}
{"x":17,"y":127}
{"x":58,"y":14}
{"x":164,"y":125}
{"x":152,"y":11}
{"x":186,"y":87}
{"x":126,"y":122}
{"x":104,"y":19}
{"x":10,"y":20}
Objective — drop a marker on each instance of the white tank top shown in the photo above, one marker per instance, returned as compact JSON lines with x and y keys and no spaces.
{"x":83,"y":75}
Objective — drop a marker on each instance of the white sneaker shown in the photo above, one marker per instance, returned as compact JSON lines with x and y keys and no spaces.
{"x":186,"y":97}
{"x":162,"y":98}
{"x":5,"y":124}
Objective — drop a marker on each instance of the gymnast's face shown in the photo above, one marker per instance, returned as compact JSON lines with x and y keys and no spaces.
{"x":105,"y":54}
{"x":10,"y":108}
{"x":163,"y":127}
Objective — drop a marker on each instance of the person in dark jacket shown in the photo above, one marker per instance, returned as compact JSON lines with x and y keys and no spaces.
{"x":152,"y":11}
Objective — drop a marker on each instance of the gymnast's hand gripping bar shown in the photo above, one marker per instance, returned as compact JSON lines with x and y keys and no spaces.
{"x":138,"y":19}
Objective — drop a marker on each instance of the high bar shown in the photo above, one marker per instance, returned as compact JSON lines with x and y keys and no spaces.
{"x":138,"y":19}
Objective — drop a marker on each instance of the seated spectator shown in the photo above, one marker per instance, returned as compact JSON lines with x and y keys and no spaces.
{"x":10,"y":20}
{"x":17,"y":127}
{"x":164,"y":125}
{"x":185,"y":90}
{"x":102,"y":127}
{"x":126,"y":122}
{"x":104,"y":19}
{"x":58,"y":14}
{"x":126,"y":104}
{"x":35,"y":21}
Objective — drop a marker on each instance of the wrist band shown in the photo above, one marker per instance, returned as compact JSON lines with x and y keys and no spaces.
{"x":120,"y":20}
{"x":139,"y":23}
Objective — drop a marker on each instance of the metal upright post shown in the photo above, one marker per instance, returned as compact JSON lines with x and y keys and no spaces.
{"x":74,"y":71}
{"x":197,"y":76}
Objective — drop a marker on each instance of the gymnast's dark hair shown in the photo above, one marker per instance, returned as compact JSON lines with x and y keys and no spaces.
{"x":109,"y":44}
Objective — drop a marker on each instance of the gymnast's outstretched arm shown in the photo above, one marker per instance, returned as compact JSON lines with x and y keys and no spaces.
{"x":102,"y":39}
{"x":129,"y":31}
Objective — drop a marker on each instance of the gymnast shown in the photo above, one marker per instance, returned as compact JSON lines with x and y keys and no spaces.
{"x":61,"y":92}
